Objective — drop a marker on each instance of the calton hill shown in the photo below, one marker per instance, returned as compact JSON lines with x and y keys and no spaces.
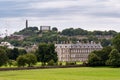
{"x":34,"y":47}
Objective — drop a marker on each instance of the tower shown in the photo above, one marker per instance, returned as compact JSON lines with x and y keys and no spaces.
{"x":26,"y":24}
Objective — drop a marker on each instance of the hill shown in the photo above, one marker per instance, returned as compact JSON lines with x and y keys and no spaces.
{"x":32,"y":35}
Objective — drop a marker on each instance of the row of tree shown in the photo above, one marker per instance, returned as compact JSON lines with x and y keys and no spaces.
{"x":79,"y":31}
{"x":109,"y":56}
{"x":45,"y":54}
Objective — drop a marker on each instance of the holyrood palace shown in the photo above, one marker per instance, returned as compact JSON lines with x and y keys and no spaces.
{"x":76,"y":52}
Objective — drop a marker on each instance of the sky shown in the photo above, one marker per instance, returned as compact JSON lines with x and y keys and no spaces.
{"x":86,"y":14}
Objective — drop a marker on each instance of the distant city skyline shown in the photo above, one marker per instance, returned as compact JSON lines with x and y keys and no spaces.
{"x":86,"y":14}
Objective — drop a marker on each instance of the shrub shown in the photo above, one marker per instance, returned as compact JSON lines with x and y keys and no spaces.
{"x":51,"y":62}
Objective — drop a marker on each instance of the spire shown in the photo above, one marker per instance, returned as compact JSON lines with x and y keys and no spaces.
{"x":26,"y":24}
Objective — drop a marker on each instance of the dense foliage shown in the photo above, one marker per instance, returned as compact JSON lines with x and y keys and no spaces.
{"x":46,"y":53}
{"x":116,"y":42}
{"x":19,"y":57}
{"x":79,"y":31}
{"x":99,"y":58}
{"x":21,"y":61}
{"x":30,"y":31}
{"x":107,"y":56}
{"x":114,"y":58}
{"x":3,"y":57}
{"x":33,"y":36}
{"x":29,"y":59}
{"x":73,"y":32}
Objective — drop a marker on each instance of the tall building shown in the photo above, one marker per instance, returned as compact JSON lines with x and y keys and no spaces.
{"x":26,"y":24}
{"x":76,"y":52}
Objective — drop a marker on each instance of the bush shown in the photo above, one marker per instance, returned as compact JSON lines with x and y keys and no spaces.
{"x":60,"y":63}
{"x":21,"y":61}
{"x":51,"y":62}
{"x":31,"y":59}
{"x":12,"y":62}
{"x":70,"y":63}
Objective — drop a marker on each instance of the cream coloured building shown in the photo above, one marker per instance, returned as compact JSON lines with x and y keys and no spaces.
{"x":7,"y":44}
{"x":76,"y":52}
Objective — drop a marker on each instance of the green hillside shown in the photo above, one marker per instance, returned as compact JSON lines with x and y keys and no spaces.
{"x":32,"y":35}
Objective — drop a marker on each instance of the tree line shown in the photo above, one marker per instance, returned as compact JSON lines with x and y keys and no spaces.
{"x":108,"y":56}
{"x":79,"y":31}
{"x":19,"y":57}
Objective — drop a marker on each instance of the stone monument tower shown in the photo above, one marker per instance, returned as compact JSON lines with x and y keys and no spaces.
{"x":26,"y":24}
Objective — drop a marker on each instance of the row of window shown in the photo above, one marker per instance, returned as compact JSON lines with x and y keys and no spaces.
{"x":77,"y":50}
{"x":74,"y":56}
{"x":80,"y":59}
{"x":79,"y":46}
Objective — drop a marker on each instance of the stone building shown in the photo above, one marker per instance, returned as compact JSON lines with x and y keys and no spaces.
{"x":16,"y":37}
{"x":76,"y":52}
{"x":45,"y":28}
{"x":31,"y":48}
{"x":7,"y":44}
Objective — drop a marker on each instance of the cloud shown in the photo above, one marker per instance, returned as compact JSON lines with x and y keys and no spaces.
{"x":86,"y":14}
{"x":53,"y":4}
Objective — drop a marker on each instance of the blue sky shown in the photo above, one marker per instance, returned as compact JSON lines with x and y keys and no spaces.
{"x":86,"y":14}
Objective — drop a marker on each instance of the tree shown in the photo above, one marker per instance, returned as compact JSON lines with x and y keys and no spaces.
{"x":105,"y":42}
{"x":22,"y":51}
{"x":53,"y":53}
{"x":93,"y":60}
{"x":3,"y":57}
{"x":74,"y":32}
{"x":14,"y":53}
{"x":15,"y":42}
{"x":68,"y":32}
{"x":46,"y":52}
{"x":101,"y":54}
{"x":114,"y":58}
{"x":30,"y":59}
{"x":12,"y":62}
{"x":106,"y":52}
{"x":112,"y":32}
{"x":54,"y":29}
{"x":51,"y":63}
{"x":116,"y":42}
{"x":97,"y":32}
{"x":21,"y":60}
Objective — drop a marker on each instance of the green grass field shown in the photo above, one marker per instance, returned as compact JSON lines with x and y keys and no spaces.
{"x":83,"y":73}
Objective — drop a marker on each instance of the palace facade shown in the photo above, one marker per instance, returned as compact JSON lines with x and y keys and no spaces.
{"x":76,"y":52}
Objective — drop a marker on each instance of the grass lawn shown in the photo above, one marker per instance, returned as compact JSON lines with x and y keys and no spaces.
{"x":83,"y":73}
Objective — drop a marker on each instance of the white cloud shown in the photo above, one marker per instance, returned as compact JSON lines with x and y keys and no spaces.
{"x":86,"y":14}
{"x":62,"y":4}
{"x":53,"y":4}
